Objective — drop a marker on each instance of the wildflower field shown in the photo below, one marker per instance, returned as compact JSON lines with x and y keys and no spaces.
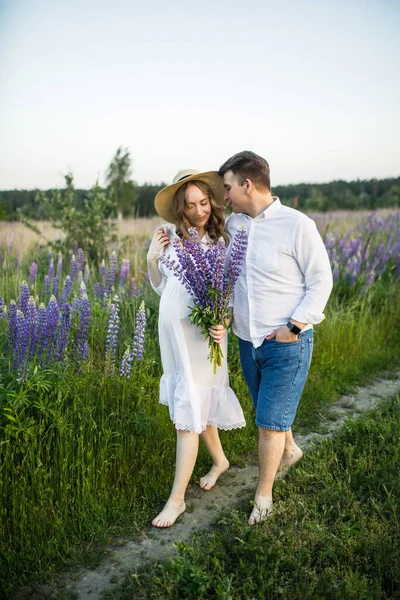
{"x":86,"y":452}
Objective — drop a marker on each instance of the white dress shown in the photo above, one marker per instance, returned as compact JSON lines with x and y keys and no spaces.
{"x":194,"y":395}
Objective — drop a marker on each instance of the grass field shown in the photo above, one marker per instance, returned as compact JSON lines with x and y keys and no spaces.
{"x":86,"y":454}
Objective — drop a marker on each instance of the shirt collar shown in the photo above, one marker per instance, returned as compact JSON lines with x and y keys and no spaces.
{"x":269,"y":211}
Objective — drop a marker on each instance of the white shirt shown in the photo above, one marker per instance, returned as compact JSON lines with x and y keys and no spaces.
{"x":286,"y":275}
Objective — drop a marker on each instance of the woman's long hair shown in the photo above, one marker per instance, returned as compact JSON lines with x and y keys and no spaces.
{"x":215,"y":227}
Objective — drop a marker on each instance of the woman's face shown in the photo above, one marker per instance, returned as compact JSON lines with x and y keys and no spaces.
{"x":198,"y":207}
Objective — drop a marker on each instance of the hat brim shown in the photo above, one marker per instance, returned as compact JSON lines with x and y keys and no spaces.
{"x":164,"y":200}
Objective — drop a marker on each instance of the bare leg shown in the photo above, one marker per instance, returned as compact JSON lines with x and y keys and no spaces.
{"x":186,"y":453}
{"x":291,"y":454}
{"x":211,"y":440}
{"x":271,"y":445}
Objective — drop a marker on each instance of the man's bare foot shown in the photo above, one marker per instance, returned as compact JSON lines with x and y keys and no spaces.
{"x":291,"y":456}
{"x":169,"y":514}
{"x":209,"y":480}
{"x":263,"y":507}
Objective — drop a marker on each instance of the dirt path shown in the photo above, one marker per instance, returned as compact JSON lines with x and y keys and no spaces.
{"x":203,"y":506}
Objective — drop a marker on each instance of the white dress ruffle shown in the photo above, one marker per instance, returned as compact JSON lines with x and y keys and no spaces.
{"x":195,"y":396}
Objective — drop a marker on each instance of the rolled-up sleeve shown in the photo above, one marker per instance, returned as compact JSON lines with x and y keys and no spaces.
{"x":313,"y":260}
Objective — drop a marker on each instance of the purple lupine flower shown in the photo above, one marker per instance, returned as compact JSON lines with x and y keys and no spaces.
{"x":31,"y":325}
{"x":140,"y":330}
{"x":126,"y":364}
{"x":77,"y":302}
{"x":50,"y":272}
{"x":134,"y":290}
{"x":80,"y":259}
{"x":123,"y":274}
{"x":73,"y":268}
{"x":59,"y":266}
{"x":86,"y":274}
{"x":3,"y":310}
{"x":12,"y":324}
{"x":56,"y":286}
{"x":21,"y":342}
{"x":208,"y":280}
{"x":47,"y":283}
{"x":63,"y":335}
{"x":65,"y":294}
{"x":81,"y":344}
{"x":112,"y":271}
{"x":112,"y":331}
{"x":24,"y":295}
{"x":102,"y":269}
{"x":52,"y":320}
{"x":99,"y":291}
{"x":33,"y":273}
{"x":41,"y":330}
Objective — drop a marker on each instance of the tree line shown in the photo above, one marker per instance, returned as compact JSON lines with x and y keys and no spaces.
{"x":128,"y":199}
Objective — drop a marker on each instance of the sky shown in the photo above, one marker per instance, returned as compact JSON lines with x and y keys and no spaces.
{"x":312,"y":86}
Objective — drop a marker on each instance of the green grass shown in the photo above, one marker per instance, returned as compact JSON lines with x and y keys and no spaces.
{"x":335,"y":533}
{"x":85,"y":457}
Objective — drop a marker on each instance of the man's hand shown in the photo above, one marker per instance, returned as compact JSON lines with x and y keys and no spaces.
{"x":282,"y":334}
{"x":217,"y":332}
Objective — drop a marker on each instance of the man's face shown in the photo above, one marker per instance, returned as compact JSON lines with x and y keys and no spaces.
{"x":235,"y":194}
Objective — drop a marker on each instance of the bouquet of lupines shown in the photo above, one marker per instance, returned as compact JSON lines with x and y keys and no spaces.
{"x":209,"y":276}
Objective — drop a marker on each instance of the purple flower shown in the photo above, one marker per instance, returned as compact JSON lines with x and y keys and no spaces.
{"x":65,"y":294}
{"x":3,"y":311}
{"x":12,"y":324}
{"x":209,"y":279}
{"x":112,"y":330}
{"x":47,"y":283}
{"x":24,"y":295}
{"x":112,"y":270}
{"x":134,"y":290}
{"x":86,"y":274}
{"x":126,"y":364}
{"x":20,"y":342}
{"x":56,"y":286}
{"x":50,"y":272}
{"x":59,"y":266}
{"x":80,"y":259}
{"x":81,"y":344}
{"x":33,"y":273}
{"x":140,"y":330}
{"x":102,"y":269}
{"x":73,"y":268}
{"x":123,"y":274}
{"x":31,"y":325}
{"x":63,"y":335}
{"x":52,"y":320}
{"x":41,"y":330}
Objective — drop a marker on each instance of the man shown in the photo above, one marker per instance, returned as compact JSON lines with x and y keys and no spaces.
{"x":280,"y":294}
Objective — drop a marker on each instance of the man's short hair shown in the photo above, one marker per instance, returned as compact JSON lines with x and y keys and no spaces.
{"x":248,"y":165}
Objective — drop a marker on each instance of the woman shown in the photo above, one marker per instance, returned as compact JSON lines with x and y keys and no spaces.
{"x":199,"y":401}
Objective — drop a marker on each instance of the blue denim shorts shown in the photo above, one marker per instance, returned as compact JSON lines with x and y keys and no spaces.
{"x":275,"y":374}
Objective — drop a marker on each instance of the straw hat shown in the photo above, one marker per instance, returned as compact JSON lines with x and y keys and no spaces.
{"x":164,"y":201}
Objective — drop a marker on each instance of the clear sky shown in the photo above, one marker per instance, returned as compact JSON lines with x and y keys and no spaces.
{"x":313,"y":86}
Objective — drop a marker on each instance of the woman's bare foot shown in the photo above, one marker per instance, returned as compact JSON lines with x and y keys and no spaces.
{"x":169,"y":514}
{"x":209,"y":480}
{"x":263,"y":507}
{"x":291,"y":456}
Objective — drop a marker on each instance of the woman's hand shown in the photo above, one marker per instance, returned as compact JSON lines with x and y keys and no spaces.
{"x":160,"y":240}
{"x":217,"y":332}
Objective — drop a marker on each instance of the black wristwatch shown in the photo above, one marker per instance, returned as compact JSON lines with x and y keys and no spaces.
{"x":293,"y":328}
